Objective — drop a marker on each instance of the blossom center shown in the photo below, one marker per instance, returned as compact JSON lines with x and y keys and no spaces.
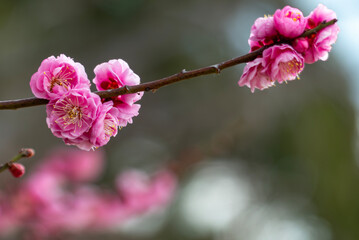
{"x":110,"y":126}
{"x":311,"y":23}
{"x":70,"y":113}
{"x":74,"y":113}
{"x":63,"y":78}
{"x":295,"y":16}
{"x":110,"y":84}
{"x":292,"y":67}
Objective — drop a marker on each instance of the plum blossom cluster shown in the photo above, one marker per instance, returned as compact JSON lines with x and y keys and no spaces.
{"x":282,"y":62}
{"x":74,"y":113}
{"x":58,"y":197}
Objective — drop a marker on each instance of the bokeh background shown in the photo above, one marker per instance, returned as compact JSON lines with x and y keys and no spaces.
{"x":278,"y":164}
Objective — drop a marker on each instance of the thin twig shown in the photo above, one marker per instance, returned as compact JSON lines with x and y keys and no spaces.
{"x":23,"y":153}
{"x":154,"y":85}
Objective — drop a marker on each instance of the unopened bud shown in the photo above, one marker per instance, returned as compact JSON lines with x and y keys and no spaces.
{"x":17,"y":169}
{"x":27,"y":152}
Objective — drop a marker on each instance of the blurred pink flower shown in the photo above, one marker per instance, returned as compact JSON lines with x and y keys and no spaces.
{"x":319,"y":14}
{"x":56,"y":76}
{"x":289,"y":22}
{"x":8,"y":220}
{"x":74,"y":165}
{"x":55,"y":199}
{"x":263,"y":29}
{"x":254,"y":77}
{"x":140,"y":192}
{"x":282,"y":63}
{"x":71,"y":116}
{"x":320,"y":43}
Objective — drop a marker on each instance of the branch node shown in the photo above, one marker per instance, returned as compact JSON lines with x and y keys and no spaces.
{"x":216,"y":68}
{"x":147,"y":89}
{"x":127,"y":89}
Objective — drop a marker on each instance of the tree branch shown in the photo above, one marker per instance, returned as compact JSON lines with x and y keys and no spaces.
{"x":154,"y":85}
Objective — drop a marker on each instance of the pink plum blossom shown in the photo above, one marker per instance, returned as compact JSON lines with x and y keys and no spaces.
{"x":282,"y":63}
{"x":73,"y":114}
{"x":83,"y":141}
{"x":254,"y":45}
{"x":300,"y":45}
{"x":254,"y":77}
{"x":319,"y":14}
{"x":263,"y":29}
{"x":105,"y":126}
{"x":126,"y":112}
{"x":289,"y":22}
{"x":320,"y":43}
{"x":116,"y":74}
{"x":56,"y":76}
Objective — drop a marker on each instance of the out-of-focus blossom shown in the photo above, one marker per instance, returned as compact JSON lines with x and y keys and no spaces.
{"x":140,"y":191}
{"x":320,"y":43}
{"x":56,"y":76}
{"x":289,"y":22}
{"x":263,"y":33}
{"x":319,"y":14}
{"x":55,"y":199}
{"x":74,"y":165}
{"x":254,"y":77}
{"x":263,"y":29}
{"x":282,"y":63}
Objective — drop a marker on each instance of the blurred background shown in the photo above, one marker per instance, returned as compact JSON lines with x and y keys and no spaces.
{"x":278,"y":164}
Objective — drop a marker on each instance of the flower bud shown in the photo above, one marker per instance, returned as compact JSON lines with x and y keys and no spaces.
{"x":289,"y":22}
{"x":301,"y":45}
{"x":27,"y":152}
{"x":17,"y":169}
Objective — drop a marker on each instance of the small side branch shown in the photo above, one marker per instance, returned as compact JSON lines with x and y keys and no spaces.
{"x":23,"y":153}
